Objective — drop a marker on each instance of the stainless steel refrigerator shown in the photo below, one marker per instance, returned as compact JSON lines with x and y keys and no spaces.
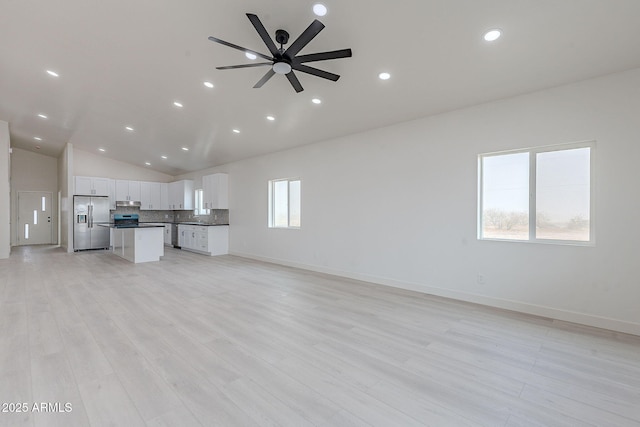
{"x":88,"y":213}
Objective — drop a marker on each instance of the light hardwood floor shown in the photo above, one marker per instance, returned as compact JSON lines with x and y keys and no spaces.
{"x":225,"y":341}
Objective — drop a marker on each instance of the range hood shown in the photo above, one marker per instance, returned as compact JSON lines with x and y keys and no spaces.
{"x":127,"y":203}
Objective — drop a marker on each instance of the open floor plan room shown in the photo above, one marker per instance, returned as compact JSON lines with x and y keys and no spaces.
{"x":229,"y":341}
{"x":320,"y":213}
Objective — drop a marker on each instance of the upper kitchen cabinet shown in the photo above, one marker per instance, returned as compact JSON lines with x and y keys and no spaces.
{"x":150,"y":196}
{"x":181,"y":195}
{"x":164,"y":196}
{"x":215,"y":191}
{"x":127,"y":190}
{"x":91,"y":186}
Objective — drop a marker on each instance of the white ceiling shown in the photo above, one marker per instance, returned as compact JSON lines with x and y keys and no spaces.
{"x":125,"y":63}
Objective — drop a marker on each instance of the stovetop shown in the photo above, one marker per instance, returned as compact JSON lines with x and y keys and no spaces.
{"x":126,"y":220}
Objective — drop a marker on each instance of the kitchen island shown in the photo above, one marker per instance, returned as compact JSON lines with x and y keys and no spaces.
{"x":140,"y":243}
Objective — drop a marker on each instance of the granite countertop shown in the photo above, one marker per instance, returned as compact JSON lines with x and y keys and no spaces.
{"x":204,"y":224}
{"x":198,"y":223}
{"x":141,"y":225}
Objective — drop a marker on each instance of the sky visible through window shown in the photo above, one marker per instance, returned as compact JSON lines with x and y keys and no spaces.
{"x":285,"y":203}
{"x":562,"y":186}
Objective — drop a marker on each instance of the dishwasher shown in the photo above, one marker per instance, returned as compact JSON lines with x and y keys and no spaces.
{"x":174,"y":236}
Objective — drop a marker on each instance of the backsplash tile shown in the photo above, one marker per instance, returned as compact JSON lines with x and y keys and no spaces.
{"x":217,"y":216}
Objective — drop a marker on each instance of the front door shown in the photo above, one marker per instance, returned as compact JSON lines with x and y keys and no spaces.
{"x":34,"y":218}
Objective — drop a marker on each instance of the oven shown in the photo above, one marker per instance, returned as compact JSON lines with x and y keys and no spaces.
{"x":126,"y":220}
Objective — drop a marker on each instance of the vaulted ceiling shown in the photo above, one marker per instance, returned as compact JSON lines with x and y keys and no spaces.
{"x":124,"y":63}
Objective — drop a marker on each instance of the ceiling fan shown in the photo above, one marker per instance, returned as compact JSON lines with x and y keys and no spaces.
{"x":284,"y":61}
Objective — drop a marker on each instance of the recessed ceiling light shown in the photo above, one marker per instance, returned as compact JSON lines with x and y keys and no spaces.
{"x":316,"y":101}
{"x":209,"y":85}
{"x":271,"y":118}
{"x":53,"y":73}
{"x":185,"y":149}
{"x":236,"y":130}
{"x":147,"y":163}
{"x":129,"y":128}
{"x":384,"y":76}
{"x":319,"y":9}
{"x":43,"y":116}
{"x":163,"y":157}
{"x":102,"y":149}
{"x":250,"y":55}
{"x":492,"y":35}
{"x":178,"y":104}
{"x":37,"y":138}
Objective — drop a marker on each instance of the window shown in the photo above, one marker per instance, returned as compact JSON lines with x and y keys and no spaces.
{"x":541,"y":195}
{"x":284,"y":203}
{"x":199,"y":204}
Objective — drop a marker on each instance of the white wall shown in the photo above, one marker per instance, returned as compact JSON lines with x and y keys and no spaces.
{"x":33,"y":172}
{"x":65,"y":186}
{"x":5,"y":168}
{"x":89,"y":164}
{"x":398,"y":206}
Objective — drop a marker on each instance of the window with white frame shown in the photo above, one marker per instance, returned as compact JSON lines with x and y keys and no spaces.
{"x":539,"y":195}
{"x":199,"y":210}
{"x":284,"y":203}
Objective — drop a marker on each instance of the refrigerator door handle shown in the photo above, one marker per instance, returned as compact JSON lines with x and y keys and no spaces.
{"x":90,"y":225}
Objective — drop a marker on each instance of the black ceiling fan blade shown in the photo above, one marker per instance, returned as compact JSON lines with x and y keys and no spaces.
{"x":257,"y":24}
{"x":314,"y":71}
{"x":304,"y":39}
{"x":264,"y":79}
{"x":244,"y":49}
{"x":295,"y":82}
{"x":323,"y":56}
{"x":233,"y":67}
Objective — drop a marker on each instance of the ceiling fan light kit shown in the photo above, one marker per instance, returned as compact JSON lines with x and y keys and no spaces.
{"x":285,"y":61}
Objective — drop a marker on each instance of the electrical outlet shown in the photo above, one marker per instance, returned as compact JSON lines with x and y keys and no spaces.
{"x":481,"y":280}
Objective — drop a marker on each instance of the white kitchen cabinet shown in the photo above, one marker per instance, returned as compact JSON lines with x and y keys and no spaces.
{"x":91,"y":186}
{"x":112,"y":194}
{"x":181,"y":195}
{"x":164,"y":196}
{"x":150,"y":196}
{"x":215,"y":192}
{"x":127,"y":190}
{"x":208,"y":240}
{"x":185,"y":236}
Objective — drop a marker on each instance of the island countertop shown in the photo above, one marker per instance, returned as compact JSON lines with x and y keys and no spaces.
{"x":139,"y":225}
{"x":204,"y":224}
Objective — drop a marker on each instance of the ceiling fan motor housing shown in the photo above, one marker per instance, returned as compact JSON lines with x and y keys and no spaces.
{"x":282,"y":37}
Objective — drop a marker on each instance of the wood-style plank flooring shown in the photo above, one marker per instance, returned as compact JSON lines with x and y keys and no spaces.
{"x":225,"y":341}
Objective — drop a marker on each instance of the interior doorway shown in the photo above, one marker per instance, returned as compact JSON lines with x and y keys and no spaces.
{"x":34,"y":218}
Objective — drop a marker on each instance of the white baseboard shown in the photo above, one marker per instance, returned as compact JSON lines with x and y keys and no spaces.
{"x":522,"y":307}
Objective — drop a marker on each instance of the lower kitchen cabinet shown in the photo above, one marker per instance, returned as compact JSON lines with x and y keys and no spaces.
{"x":208,"y":240}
